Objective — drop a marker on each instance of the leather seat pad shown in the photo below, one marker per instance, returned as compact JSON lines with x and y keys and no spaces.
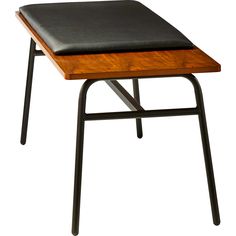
{"x":104,"y":26}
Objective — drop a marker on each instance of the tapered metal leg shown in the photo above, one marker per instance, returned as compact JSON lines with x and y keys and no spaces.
{"x":206,"y":150}
{"x":78,"y":175}
{"x":137,"y":98}
{"x":28,"y":92}
{"x":79,"y":156}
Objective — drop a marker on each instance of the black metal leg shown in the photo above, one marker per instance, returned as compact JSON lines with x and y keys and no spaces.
{"x":137,"y":98}
{"x":206,"y":149}
{"x":79,"y":156}
{"x":28,"y":92}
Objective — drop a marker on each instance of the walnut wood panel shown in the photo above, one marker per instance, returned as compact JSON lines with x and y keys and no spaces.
{"x":126,"y":64}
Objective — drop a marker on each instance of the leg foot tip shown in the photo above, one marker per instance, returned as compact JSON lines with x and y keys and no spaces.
{"x":75,"y":232}
{"x":140,"y":134}
{"x":217,"y":223}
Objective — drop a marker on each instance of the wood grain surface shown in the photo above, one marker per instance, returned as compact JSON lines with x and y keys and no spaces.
{"x":126,"y":64}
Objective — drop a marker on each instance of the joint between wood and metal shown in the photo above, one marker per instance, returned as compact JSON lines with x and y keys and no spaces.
{"x":39,"y":53}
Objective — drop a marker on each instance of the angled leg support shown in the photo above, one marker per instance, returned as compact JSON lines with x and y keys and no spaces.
{"x":129,"y":101}
{"x":132,"y":102}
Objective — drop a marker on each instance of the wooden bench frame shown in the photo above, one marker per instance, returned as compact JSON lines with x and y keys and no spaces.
{"x":97,"y":67}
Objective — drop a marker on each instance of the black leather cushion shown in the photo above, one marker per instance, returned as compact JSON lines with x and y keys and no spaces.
{"x":105,"y":26}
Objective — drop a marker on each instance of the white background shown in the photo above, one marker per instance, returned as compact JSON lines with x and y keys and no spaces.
{"x":153,"y":186}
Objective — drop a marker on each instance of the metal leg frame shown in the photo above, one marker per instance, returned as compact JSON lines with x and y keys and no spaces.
{"x":137,"y":112}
